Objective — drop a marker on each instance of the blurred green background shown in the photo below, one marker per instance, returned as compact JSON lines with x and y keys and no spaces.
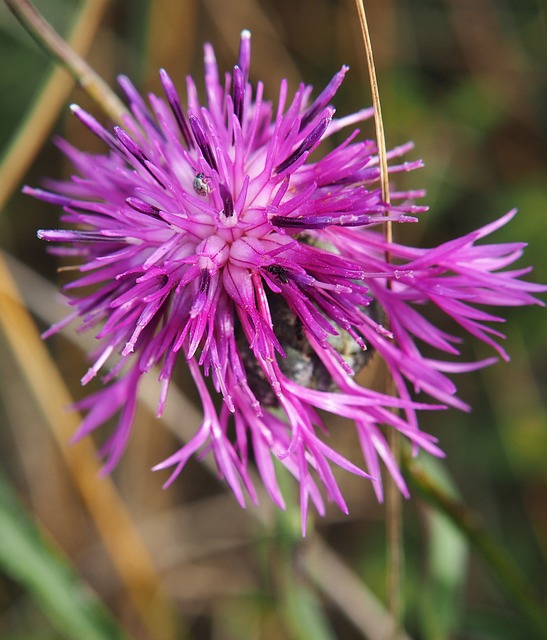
{"x":466,"y":81}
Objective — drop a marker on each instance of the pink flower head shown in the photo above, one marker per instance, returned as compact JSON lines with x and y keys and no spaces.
{"x":209,"y":233}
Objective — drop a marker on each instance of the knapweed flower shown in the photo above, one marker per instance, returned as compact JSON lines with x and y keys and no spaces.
{"x":211,"y":233}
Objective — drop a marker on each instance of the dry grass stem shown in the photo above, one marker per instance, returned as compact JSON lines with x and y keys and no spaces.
{"x":45,"y":109}
{"x":117,"y":530}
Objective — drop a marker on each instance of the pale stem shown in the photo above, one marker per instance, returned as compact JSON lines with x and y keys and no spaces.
{"x":51,"y":41}
{"x":42,"y":113}
{"x":394,"y":522}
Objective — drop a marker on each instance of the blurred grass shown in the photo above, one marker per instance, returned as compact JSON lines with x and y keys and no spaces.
{"x":466,"y":81}
{"x":47,"y":577}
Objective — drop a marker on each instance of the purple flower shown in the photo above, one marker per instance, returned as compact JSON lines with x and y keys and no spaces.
{"x":212,"y":234}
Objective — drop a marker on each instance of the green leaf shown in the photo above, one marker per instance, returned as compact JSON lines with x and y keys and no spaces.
{"x":63,"y":596}
{"x":303,"y":613}
{"x":448,"y":552}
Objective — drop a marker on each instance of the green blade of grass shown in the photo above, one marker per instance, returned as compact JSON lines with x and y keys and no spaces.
{"x":447,"y":551}
{"x":25,"y":556}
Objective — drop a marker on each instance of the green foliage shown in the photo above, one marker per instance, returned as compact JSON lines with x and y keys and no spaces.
{"x":61,"y":593}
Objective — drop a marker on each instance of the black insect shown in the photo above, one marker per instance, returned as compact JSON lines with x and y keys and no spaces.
{"x":280,"y":272}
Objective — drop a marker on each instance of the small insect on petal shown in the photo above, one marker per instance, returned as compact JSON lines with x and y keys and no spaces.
{"x":201,"y":184}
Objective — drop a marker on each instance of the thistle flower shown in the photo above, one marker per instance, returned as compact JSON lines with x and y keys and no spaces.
{"x":210,"y":234}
